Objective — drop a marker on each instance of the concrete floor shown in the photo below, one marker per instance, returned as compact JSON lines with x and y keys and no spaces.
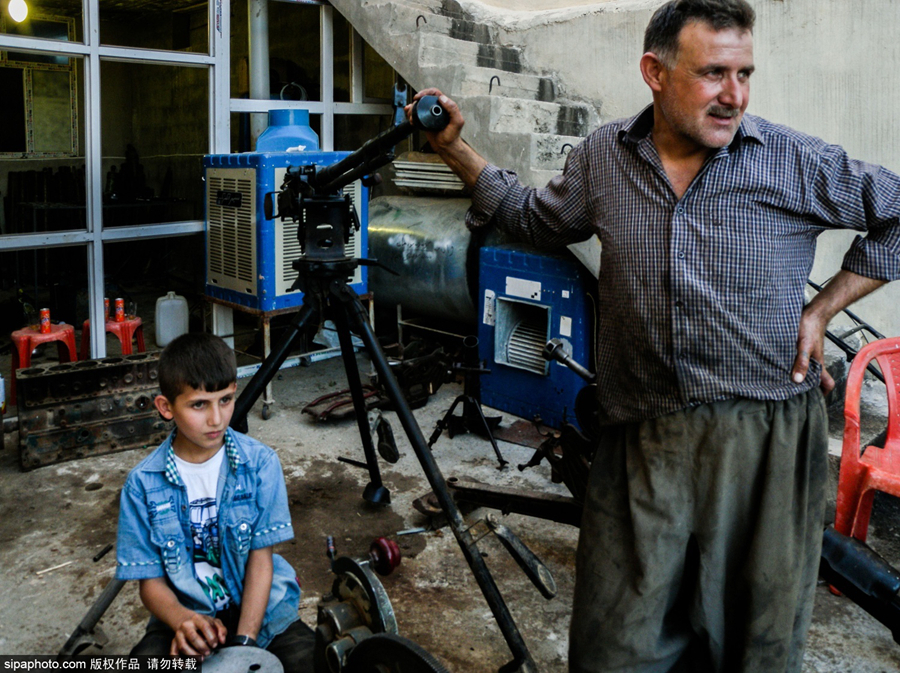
{"x":66,"y":513}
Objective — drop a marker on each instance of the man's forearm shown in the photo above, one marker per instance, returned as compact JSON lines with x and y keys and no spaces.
{"x":844,"y":289}
{"x":463,"y":160}
{"x":257,"y":586}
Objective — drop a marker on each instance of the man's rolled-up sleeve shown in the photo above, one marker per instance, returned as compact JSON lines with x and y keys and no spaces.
{"x":857,"y":195}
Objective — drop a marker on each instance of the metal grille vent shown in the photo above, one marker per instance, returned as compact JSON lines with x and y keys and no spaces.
{"x":231,"y":236}
{"x":526,"y":342}
{"x":522,"y":329}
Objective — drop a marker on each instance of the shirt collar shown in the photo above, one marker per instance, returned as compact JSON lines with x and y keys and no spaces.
{"x":638,"y":128}
{"x":231,"y":452}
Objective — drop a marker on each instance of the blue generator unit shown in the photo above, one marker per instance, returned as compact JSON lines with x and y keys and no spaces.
{"x":249,"y":257}
{"x":526,"y":299}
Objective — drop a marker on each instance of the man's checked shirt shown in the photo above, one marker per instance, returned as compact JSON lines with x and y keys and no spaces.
{"x":699,"y":299}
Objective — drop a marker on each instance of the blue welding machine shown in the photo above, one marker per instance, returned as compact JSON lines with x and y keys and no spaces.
{"x":526,"y":299}
{"x":249,"y":257}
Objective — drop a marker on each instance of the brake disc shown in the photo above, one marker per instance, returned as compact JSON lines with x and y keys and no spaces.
{"x":356,"y":583}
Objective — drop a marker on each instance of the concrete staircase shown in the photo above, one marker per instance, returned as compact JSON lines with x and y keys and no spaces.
{"x":517,"y":116}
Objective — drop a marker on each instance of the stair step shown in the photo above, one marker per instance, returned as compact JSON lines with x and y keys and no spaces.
{"x":462,"y":25}
{"x":470,"y":80}
{"x":549,"y":152}
{"x":436,"y":48}
{"x":407,"y":18}
{"x":563,"y":118}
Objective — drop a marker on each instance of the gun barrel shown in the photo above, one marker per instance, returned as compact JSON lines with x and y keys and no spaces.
{"x":427,"y":114}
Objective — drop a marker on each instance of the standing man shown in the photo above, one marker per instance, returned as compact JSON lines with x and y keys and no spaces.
{"x":702,"y":527}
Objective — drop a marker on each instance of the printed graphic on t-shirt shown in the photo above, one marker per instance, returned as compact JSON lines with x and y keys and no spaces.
{"x":207,"y":563}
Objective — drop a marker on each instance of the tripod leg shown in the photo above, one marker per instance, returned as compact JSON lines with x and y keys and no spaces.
{"x":375,"y":491}
{"x":474,"y":405}
{"x":357,"y":314}
{"x":269,"y":368}
{"x":444,"y":422}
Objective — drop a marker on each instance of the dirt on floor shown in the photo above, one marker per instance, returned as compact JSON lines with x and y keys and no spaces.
{"x":54,"y":520}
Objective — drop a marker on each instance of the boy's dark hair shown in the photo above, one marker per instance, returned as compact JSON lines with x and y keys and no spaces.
{"x":661,"y":36}
{"x":198,"y":360}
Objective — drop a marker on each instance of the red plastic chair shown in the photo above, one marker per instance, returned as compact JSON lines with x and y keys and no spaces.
{"x":28,"y":338}
{"x":130,"y":329}
{"x":864,"y":471}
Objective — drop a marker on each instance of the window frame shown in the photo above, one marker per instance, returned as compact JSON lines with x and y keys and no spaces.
{"x":221,"y":106}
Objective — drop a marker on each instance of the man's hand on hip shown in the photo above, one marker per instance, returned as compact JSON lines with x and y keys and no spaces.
{"x":841,"y":291}
{"x":811,"y":346}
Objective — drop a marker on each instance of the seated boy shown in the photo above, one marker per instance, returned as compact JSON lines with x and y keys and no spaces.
{"x":198,"y":519}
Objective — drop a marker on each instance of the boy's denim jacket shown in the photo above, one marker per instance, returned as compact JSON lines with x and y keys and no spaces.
{"x":154,"y":537}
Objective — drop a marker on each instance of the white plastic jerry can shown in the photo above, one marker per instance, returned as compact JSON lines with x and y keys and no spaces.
{"x":171,"y":318}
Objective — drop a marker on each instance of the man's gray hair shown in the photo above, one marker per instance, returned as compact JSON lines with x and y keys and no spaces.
{"x":661,"y":36}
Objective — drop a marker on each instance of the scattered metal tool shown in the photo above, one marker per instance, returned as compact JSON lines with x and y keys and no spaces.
{"x":103,"y":552}
{"x":87,"y":633}
{"x":528,"y":561}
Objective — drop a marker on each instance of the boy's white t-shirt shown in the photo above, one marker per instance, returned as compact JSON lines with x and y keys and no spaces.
{"x":201,"y":480}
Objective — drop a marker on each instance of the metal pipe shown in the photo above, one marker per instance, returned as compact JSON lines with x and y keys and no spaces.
{"x":258,"y":11}
{"x":375,"y":492}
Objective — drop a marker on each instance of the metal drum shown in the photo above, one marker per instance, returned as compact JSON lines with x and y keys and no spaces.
{"x":426,"y":241}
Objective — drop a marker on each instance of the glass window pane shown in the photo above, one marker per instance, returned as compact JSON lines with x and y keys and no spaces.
{"x":352,"y":131}
{"x":179,"y":25}
{"x":41,"y":161}
{"x":52,"y":110}
{"x":47,"y":20}
{"x":155,"y":133}
{"x":343,"y":39}
{"x":53,"y":278}
{"x":140,"y":272}
{"x":378,"y":76}
{"x":12,"y":112}
{"x":293,"y":51}
{"x":41,"y":112}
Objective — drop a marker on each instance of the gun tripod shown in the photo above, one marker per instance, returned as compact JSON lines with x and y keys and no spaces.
{"x":311,"y":196}
{"x":328,"y":294}
{"x":472,"y":418}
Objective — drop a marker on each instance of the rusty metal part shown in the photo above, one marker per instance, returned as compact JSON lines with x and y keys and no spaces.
{"x":357,"y":607}
{"x":48,"y":384}
{"x":340,"y":404}
{"x":528,"y":561}
{"x":421,"y":376}
{"x":520,"y":432}
{"x":384,"y":556}
{"x":103,"y":552}
{"x":88,"y":408}
{"x":383,"y":436}
{"x":560,"y":508}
